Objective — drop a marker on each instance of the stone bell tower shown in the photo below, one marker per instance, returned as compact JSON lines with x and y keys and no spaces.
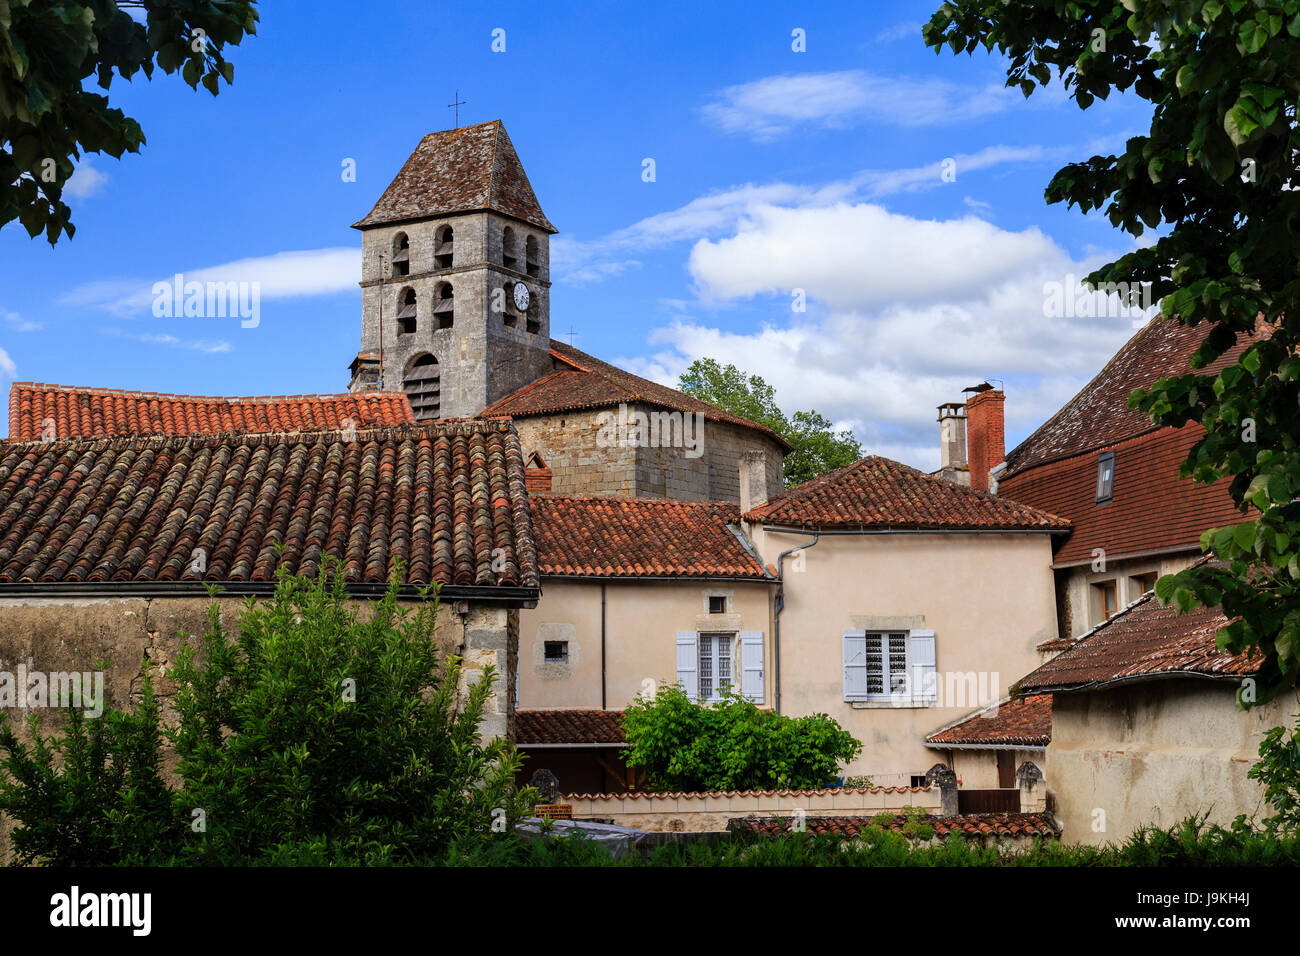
{"x":455,"y":277}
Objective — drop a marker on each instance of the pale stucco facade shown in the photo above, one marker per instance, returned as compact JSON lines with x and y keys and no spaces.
{"x":988,"y":598}
{"x":1156,"y":753}
{"x":642,"y":619}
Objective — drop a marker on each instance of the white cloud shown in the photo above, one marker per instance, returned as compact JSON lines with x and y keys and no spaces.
{"x":716,"y":214}
{"x":85,"y":180}
{"x":211,"y":346}
{"x":283,"y":275}
{"x":903,"y":314}
{"x":17,"y":323}
{"x":7,"y":365}
{"x":769,"y":107}
{"x":900,"y":31}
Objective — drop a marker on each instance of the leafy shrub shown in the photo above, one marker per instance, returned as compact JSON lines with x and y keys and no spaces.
{"x":316,"y":737}
{"x":731,"y":745}
{"x":1278,"y":769}
{"x":91,"y":796}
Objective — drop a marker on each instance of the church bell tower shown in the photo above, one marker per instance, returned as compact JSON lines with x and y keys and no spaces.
{"x":455,"y":277}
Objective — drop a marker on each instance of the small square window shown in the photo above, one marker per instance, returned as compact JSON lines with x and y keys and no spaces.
{"x":918,"y":781}
{"x":717,"y":604}
{"x":1109,"y":603}
{"x":1105,"y":476}
{"x":557,"y":651}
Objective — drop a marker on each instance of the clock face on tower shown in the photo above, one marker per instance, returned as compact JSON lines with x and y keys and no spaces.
{"x":521,"y":297}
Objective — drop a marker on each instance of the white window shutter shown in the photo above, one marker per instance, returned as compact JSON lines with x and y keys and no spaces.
{"x":688,"y":663}
{"x":855,"y":664}
{"x":751,"y":665}
{"x":925,"y":675}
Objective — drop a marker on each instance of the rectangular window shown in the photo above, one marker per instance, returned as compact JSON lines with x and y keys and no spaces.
{"x":557,"y":651}
{"x":715,"y":666}
{"x":887,"y":664}
{"x":1109,"y":602}
{"x":1145,"y":582}
{"x":1105,"y":476}
{"x":717,"y":604}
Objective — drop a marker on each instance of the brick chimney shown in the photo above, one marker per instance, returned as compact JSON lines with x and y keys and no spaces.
{"x":986,"y":441}
{"x":537,"y":477}
{"x":753,"y":480}
{"x":952,"y":443}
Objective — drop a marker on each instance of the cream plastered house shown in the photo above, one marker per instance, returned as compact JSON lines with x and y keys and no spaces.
{"x":893,"y":601}
{"x":906,"y":602}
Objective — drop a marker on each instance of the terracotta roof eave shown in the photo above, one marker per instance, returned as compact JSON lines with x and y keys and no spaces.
{"x":1010,"y":743}
{"x":1029,"y":690}
{"x":508,"y":594}
{"x":647,"y":576}
{"x":826,"y":528}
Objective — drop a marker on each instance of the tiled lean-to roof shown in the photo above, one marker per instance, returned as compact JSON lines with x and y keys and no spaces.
{"x":1018,"y":722}
{"x":612,"y":536}
{"x":568,"y":727}
{"x":466,"y":169}
{"x":1144,"y":641}
{"x":37,"y":409}
{"x":968,"y":825}
{"x":878,"y":494}
{"x":582,"y":381}
{"x":447,"y":499}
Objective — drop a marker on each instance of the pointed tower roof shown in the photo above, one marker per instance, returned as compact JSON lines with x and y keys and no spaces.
{"x":467,"y":169}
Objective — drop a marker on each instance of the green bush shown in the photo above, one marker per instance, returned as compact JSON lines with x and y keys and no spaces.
{"x":316,"y":737}
{"x":1278,"y":769}
{"x":731,"y":745}
{"x":91,"y":796}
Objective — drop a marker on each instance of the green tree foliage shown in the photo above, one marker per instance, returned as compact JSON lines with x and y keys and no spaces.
{"x":815,"y":447}
{"x":1278,"y":770}
{"x":731,"y":745}
{"x":327,"y":732}
{"x":1213,"y":179}
{"x":91,"y":796}
{"x":49,"y":48}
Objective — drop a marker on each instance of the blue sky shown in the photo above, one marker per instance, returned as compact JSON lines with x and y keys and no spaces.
{"x":775,"y":170}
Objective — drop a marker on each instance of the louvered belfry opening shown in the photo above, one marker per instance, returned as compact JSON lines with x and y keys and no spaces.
{"x":443,"y":248}
{"x":422,"y":388}
{"x":406,"y":312}
{"x":401,"y":255}
{"x":444,"y":306}
{"x":508,"y":257}
{"x":530,"y":257}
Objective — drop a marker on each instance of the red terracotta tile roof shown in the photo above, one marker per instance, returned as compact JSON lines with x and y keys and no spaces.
{"x":1151,"y":509}
{"x":1018,"y":722}
{"x":614,"y":536}
{"x":582,"y":381}
{"x":568,"y":727}
{"x":78,"y":412}
{"x":1144,"y":641}
{"x":969,"y":825}
{"x":713,"y":794}
{"x":466,"y":169}
{"x":877,"y":493}
{"x":446,"y":498}
{"x":1099,"y":415}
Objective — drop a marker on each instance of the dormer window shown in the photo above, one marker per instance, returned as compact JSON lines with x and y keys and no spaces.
{"x":442,"y":249}
{"x":406,"y":311}
{"x":508,"y":256}
{"x":444,"y":306}
{"x":401,"y":255}
{"x":1105,"y":476}
{"x":530,"y":256}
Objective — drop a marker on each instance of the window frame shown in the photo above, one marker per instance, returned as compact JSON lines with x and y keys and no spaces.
{"x":564,"y":652}
{"x":1105,"y":491}
{"x":710,"y":643}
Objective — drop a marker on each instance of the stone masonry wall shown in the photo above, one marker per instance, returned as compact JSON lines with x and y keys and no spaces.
{"x":570,"y":444}
{"x":125,"y":638}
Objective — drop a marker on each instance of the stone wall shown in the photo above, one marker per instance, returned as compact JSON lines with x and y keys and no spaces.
{"x":125,"y":638}
{"x":582,"y":462}
{"x":1155,"y":753}
{"x":699,"y":812}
